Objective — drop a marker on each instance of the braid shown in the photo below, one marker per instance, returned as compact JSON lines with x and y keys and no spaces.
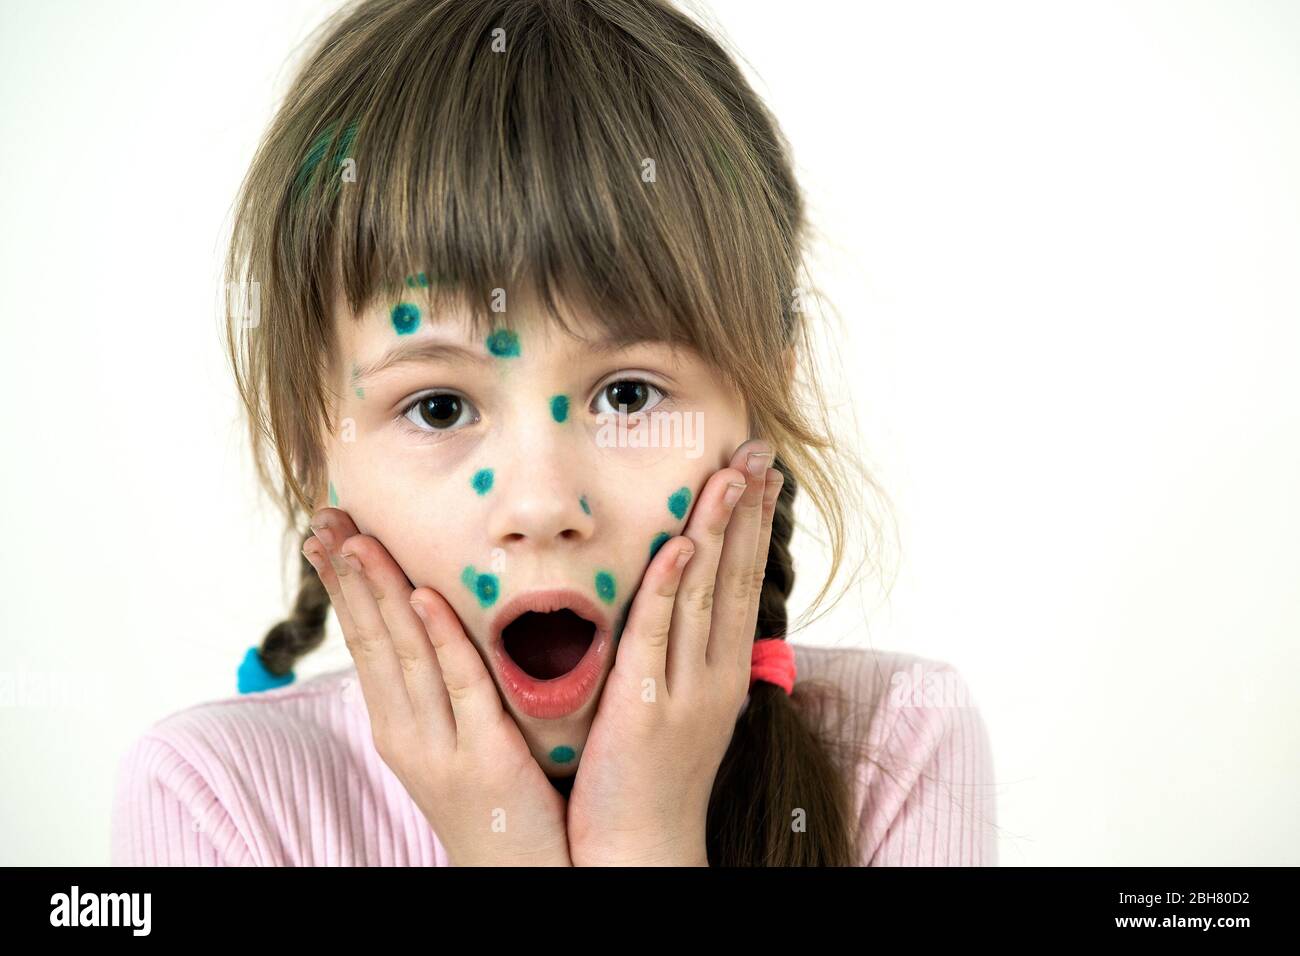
{"x":778,"y":576}
{"x":303,"y":630}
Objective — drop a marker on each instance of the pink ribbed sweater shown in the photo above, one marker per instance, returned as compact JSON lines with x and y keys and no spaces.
{"x":290,"y":777}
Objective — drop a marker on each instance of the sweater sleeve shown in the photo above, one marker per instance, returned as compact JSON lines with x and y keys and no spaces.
{"x":931,"y":801}
{"x":166,"y":814}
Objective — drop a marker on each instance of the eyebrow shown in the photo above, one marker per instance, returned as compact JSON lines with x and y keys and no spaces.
{"x":437,"y":350}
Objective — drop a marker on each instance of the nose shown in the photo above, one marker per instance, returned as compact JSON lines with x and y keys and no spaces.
{"x":542,"y":503}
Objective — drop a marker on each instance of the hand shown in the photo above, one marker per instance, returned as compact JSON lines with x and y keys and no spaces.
{"x":435,"y":714}
{"x":669,"y":708}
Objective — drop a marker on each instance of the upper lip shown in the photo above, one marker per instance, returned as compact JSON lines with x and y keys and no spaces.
{"x":544,"y":601}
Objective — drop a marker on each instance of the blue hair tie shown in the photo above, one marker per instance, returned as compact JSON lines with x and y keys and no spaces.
{"x":253,"y":675}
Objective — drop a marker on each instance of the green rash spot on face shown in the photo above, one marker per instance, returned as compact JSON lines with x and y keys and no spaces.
{"x":678,"y":502}
{"x":482,"y":480}
{"x":586,"y":508}
{"x":605,"y":586}
{"x":334,"y":496}
{"x":406,"y":318}
{"x":562,"y":754}
{"x":503,"y":343}
{"x":559,"y":407}
{"x":658,"y":543}
{"x":486,"y":587}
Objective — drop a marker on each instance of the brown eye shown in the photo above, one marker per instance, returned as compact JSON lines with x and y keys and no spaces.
{"x":439,"y":412}
{"x":631,"y":394}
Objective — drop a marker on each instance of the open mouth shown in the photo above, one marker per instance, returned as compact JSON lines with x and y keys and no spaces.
{"x":548,"y":644}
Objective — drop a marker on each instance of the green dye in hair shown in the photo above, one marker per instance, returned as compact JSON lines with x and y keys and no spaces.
{"x":486,"y":587}
{"x":658,"y":543}
{"x":678,"y":502}
{"x":334,"y":496}
{"x":482,"y":480}
{"x":585,"y":507}
{"x":559,"y":407}
{"x":563,"y":754}
{"x":406,"y":318}
{"x":503,"y":343}
{"x":307,"y":171}
{"x":605,"y":586}
{"x":420,"y":279}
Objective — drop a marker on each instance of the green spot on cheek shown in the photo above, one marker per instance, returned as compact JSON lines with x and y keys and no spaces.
{"x":586,"y":508}
{"x":486,"y":587}
{"x":406,"y":318}
{"x":605,"y":586}
{"x":482,"y":480}
{"x":658,"y":542}
{"x":678,"y":502}
{"x":334,"y":496}
{"x":503,"y":343}
{"x":559,"y":407}
{"x":563,"y":754}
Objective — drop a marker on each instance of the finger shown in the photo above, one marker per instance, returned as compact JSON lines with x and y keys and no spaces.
{"x":693,"y":610}
{"x":643,"y":648}
{"x":475,"y":704}
{"x":736,"y":568}
{"x":378,"y":670}
{"x":771,"y":491}
{"x":391,"y":591}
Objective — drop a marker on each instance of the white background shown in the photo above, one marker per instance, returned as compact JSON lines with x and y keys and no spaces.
{"x":1064,"y":239}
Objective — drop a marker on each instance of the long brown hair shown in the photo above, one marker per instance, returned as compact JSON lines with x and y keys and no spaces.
{"x":602,"y":152}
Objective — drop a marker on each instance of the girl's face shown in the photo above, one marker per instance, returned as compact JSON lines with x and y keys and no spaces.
{"x":501,"y":472}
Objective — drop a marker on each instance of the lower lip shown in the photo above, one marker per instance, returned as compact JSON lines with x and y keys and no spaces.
{"x":559,"y":696}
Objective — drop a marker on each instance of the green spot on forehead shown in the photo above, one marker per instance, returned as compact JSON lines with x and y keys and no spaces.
{"x":406,"y":318}
{"x":559,"y":407}
{"x":605,"y":586}
{"x":503,"y":343}
{"x":678,"y":502}
{"x":563,"y":754}
{"x":585,"y":507}
{"x":658,"y":542}
{"x":420,"y":279}
{"x":482,"y":480}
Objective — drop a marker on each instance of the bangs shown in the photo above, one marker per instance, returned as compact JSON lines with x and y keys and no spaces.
{"x":537,"y":148}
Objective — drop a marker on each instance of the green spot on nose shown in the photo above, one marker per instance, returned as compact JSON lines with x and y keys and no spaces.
{"x":482,"y":480}
{"x":586,"y":508}
{"x":559,"y":407}
{"x":605,"y":586}
{"x":503,"y":343}
{"x":563,"y":754}
{"x":678,"y":502}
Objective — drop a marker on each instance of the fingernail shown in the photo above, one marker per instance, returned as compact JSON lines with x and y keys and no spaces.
{"x":352,"y":560}
{"x":683,"y":557}
{"x":773,"y":487}
{"x":310,"y":555}
{"x":734,"y":490}
{"x":419,"y":609}
{"x":756,"y":463}
{"x":325,"y":536}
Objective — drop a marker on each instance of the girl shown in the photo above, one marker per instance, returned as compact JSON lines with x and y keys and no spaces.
{"x":522,"y":356}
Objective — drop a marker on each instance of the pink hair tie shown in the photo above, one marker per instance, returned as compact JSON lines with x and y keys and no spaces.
{"x":773,"y":661}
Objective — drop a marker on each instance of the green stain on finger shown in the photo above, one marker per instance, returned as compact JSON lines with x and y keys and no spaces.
{"x":482,"y":480}
{"x":658,"y":542}
{"x":559,"y":407}
{"x":563,"y":754}
{"x":605,"y":586}
{"x":678,"y":502}
{"x":486,"y":587}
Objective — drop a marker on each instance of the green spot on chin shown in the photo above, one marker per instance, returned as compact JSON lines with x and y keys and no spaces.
{"x":482,"y":480}
{"x":486,"y":587}
{"x":334,"y":496}
{"x":563,"y":754}
{"x":559,"y":407}
{"x":406,"y":318}
{"x":605,"y":586}
{"x":658,"y":542}
{"x":503,"y":343}
{"x":678,"y":502}
{"x":586,"y":508}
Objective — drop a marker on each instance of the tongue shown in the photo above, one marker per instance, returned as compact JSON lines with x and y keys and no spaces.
{"x":546,"y":646}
